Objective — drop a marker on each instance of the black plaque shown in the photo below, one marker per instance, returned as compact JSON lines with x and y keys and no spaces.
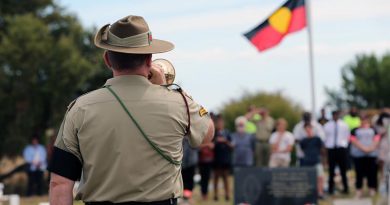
{"x":280,"y":186}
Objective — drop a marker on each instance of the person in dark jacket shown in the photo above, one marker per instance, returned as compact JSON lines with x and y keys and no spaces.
{"x":222,"y":156}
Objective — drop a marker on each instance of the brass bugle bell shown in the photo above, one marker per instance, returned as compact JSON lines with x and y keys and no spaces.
{"x":167,"y":67}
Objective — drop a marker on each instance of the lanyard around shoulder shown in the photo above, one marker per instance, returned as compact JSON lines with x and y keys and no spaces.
{"x":150,"y":142}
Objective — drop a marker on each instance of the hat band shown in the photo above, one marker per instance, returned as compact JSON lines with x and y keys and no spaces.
{"x":139,"y":40}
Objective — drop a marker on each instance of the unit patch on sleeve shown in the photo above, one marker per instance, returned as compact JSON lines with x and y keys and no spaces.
{"x":203,"y":111}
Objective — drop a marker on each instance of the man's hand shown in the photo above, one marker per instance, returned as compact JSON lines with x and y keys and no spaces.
{"x":157,"y":75}
{"x":61,"y":190}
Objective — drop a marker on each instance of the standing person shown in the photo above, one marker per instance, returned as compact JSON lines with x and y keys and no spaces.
{"x":336,"y":142}
{"x":381,"y":123}
{"x":384,"y":161}
{"x":282,"y":142}
{"x":322,"y":119}
{"x":364,"y":151}
{"x":243,"y":145}
{"x":299,"y":131}
{"x":352,"y":118}
{"x":206,"y":158}
{"x":35,"y":155}
{"x":124,"y":140}
{"x":190,"y":160}
{"x":222,"y":156}
{"x":312,"y":147}
{"x":264,"y":129}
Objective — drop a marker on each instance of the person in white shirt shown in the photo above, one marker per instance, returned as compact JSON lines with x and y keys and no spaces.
{"x":336,"y":142}
{"x":282,"y":142}
{"x":35,"y":156}
{"x":300,"y":133}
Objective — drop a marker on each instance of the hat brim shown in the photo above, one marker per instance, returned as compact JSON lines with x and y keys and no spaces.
{"x":157,"y":46}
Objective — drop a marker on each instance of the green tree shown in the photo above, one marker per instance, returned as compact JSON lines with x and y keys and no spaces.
{"x":365,"y":83}
{"x":278,"y":105}
{"x":47,"y":59}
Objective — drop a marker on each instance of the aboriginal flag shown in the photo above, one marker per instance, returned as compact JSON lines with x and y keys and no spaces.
{"x":290,"y":17}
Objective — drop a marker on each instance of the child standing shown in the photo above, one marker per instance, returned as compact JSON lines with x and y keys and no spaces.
{"x":312,"y":147}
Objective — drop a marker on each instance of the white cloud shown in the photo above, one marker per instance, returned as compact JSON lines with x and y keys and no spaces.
{"x":213,"y":20}
{"x":248,"y":16}
{"x":213,"y":54}
{"x":347,"y":10}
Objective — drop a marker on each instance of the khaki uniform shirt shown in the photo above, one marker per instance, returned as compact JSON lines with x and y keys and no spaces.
{"x":118,"y":164}
{"x":264,"y":129}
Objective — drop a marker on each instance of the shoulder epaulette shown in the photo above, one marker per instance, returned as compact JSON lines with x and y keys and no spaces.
{"x":71,"y":104}
{"x":177,"y":88}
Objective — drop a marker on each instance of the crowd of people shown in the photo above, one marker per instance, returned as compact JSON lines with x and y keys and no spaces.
{"x":349,"y":142}
{"x":343,"y":142}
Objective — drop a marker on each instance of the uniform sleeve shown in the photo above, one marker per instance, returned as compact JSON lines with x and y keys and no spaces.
{"x":200,"y":121}
{"x":67,"y":160}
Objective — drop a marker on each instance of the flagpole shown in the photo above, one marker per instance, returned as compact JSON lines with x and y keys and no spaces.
{"x":311,"y":58}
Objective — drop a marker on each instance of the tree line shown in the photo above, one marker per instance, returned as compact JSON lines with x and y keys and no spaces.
{"x":47,"y":59}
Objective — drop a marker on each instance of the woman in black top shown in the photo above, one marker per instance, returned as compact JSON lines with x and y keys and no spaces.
{"x":222,"y":156}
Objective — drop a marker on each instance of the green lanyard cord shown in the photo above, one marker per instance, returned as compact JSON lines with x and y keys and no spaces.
{"x":152,"y":144}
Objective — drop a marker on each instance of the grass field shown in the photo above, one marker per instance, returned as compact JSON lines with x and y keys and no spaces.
{"x":196,"y":198}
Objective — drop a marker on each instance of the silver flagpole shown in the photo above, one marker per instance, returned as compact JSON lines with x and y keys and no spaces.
{"x":311,"y":58}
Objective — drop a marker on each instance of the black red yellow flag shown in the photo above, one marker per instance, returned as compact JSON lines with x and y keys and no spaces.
{"x":290,"y":17}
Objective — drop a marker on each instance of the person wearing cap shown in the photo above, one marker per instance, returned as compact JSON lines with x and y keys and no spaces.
{"x":123,"y":142}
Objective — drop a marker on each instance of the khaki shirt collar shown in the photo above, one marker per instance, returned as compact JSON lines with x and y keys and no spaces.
{"x":128,"y":80}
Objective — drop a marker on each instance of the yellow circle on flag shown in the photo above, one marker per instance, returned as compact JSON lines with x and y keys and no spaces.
{"x":280,"y":20}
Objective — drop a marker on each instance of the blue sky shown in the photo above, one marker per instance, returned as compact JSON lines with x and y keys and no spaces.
{"x":215,"y":63}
